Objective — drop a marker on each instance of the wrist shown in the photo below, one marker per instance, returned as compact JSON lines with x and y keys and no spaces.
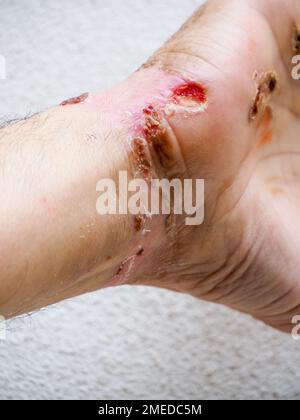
{"x":54,"y":244}
{"x":83,"y":141}
{"x":141,"y":109}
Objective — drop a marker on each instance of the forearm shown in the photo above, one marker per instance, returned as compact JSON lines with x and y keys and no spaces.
{"x":189,"y":114}
{"x":53,"y":243}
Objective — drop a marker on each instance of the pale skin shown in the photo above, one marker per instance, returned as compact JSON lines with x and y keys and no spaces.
{"x":246,"y":146}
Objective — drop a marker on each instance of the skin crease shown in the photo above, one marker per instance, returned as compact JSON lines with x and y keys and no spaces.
{"x":246,"y":254}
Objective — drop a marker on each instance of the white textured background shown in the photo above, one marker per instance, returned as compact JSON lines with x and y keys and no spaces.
{"x":122,"y":343}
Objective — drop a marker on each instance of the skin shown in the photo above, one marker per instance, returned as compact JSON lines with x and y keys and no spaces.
{"x":245,"y":255}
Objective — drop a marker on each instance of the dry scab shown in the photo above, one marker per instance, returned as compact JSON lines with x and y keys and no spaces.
{"x":140,"y":252}
{"x":140,"y":153}
{"x":296,"y":40}
{"x":76,"y":100}
{"x":138,"y":223}
{"x":266,"y":86}
{"x":158,"y":139}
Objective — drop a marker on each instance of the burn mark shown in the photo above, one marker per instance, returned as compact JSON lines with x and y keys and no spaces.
{"x":127,"y":265}
{"x":266,"y":86}
{"x":157,"y":137}
{"x":272,"y":84}
{"x":76,"y":100}
{"x":190,"y":90}
{"x":140,"y":153}
{"x":161,"y":149}
{"x":140,"y":252}
{"x":152,"y":123}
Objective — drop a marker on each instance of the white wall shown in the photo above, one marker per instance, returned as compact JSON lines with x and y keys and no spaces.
{"x":123,"y":343}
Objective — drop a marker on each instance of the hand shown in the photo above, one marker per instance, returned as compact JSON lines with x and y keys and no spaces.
{"x":246,"y":147}
{"x":218,"y":103}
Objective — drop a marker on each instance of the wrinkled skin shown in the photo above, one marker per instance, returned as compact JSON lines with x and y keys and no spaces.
{"x":246,"y":254}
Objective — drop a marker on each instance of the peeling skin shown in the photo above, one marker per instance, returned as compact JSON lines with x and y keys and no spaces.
{"x":156,"y":135}
{"x":76,"y":100}
{"x":188,"y":97}
{"x":153,"y":145}
{"x":266,"y":85}
{"x":151,"y":87}
{"x":124,"y":103}
{"x":141,"y":156}
{"x":152,"y":122}
{"x":141,"y":107}
{"x":140,"y":252}
{"x":126,"y":267}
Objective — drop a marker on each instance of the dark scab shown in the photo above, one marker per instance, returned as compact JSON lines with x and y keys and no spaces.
{"x":267,"y":85}
{"x":141,"y":156}
{"x":254,"y":109}
{"x":157,"y":137}
{"x":76,"y":100}
{"x":159,"y":142}
{"x":140,"y":252}
{"x":296,"y":40}
{"x":125,"y":264}
{"x":138,"y":222}
{"x":120,"y":269}
{"x":272,"y":84}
